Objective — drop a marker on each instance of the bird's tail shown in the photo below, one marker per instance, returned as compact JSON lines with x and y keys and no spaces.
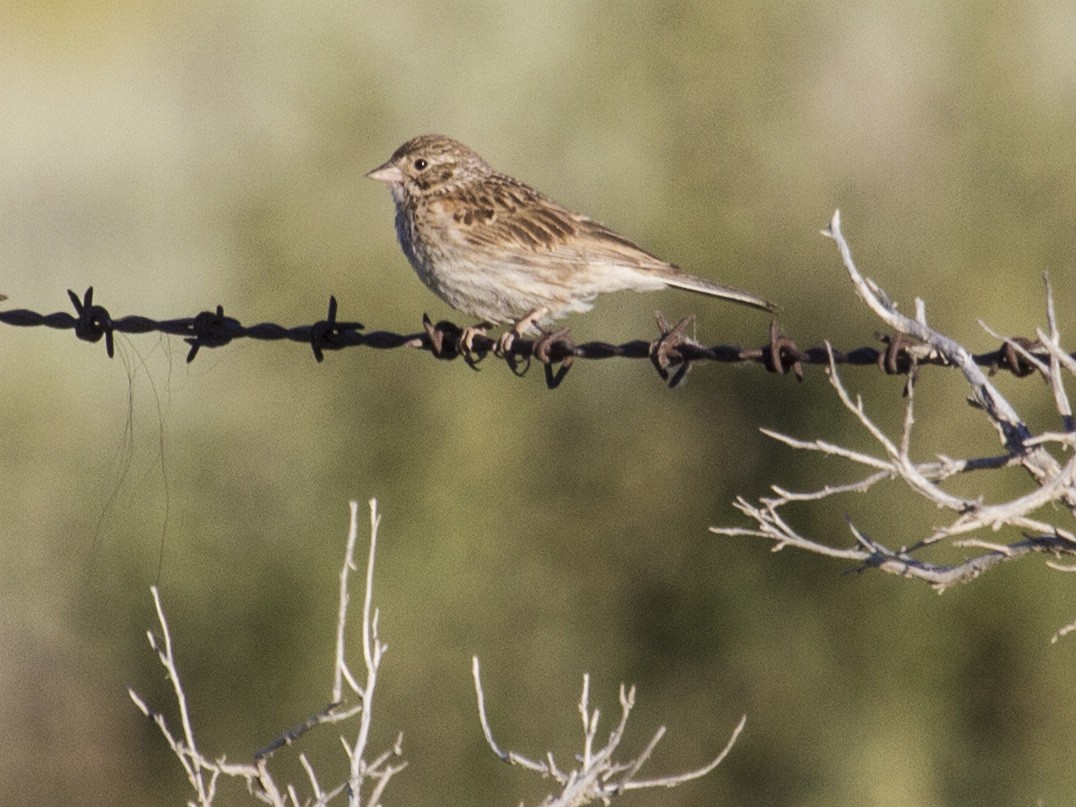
{"x":682,"y":280}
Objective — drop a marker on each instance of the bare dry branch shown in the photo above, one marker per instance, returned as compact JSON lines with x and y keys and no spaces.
{"x":1040,"y":464}
{"x":203,"y":772}
{"x":1054,"y":481}
{"x":598,"y":777}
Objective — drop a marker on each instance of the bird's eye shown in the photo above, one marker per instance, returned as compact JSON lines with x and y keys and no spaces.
{"x":421,"y":164}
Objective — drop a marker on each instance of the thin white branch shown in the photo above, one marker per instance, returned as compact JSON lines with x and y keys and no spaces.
{"x":340,"y":669}
{"x":1058,"y":359}
{"x":862,"y":486}
{"x":828,"y":448}
{"x":1039,"y":463}
{"x":898,"y":459}
{"x":679,"y":779}
{"x":598,"y":777}
{"x":512,"y":758}
{"x":315,"y":785}
{"x":203,"y":772}
{"x":1054,"y":482}
{"x":1067,"y":439}
{"x":1052,"y":346}
{"x":1063,"y":632}
{"x":372,"y":650}
{"x":1026,"y":354}
{"x":909,"y":418}
{"x":187,"y":749}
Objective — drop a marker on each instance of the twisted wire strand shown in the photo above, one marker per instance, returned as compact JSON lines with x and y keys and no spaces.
{"x":672,"y":353}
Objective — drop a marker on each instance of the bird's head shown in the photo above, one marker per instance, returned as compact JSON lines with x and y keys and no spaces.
{"x":430,"y":165}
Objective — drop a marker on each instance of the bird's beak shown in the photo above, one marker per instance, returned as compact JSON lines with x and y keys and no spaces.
{"x":387,"y":173}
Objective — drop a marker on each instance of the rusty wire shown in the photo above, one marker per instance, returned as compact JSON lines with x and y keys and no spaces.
{"x":672,"y":353}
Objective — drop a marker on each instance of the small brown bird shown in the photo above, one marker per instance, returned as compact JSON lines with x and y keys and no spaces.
{"x":497,"y":249}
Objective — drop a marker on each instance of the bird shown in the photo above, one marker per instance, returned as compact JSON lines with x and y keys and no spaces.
{"x":496,"y":249}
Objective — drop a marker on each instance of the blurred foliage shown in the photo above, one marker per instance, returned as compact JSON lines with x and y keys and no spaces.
{"x":180,"y":156}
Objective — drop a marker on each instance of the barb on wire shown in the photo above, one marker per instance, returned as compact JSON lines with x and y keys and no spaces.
{"x":673,"y":352}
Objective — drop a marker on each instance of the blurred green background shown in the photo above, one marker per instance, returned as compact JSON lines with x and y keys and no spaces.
{"x":180,"y":156}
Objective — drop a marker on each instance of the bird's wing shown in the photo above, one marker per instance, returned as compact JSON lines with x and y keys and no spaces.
{"x":524,"y":226}
{"x":515,"y":224}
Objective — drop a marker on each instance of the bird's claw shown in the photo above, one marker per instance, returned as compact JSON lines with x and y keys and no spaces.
{"x":465,"y":343}
{"x":520,"y":327}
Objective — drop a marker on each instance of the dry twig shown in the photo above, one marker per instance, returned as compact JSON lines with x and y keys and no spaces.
{"x":1054,"y":481}
{"x":597,"y":776}
{"x":203,"y":773}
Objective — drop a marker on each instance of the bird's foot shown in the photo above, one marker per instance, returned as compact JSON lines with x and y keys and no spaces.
{"x":465,"y":343}
{"x":527,"y":323}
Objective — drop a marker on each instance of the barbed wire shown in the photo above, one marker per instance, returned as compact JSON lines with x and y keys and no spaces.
{"x":672,"y":353}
